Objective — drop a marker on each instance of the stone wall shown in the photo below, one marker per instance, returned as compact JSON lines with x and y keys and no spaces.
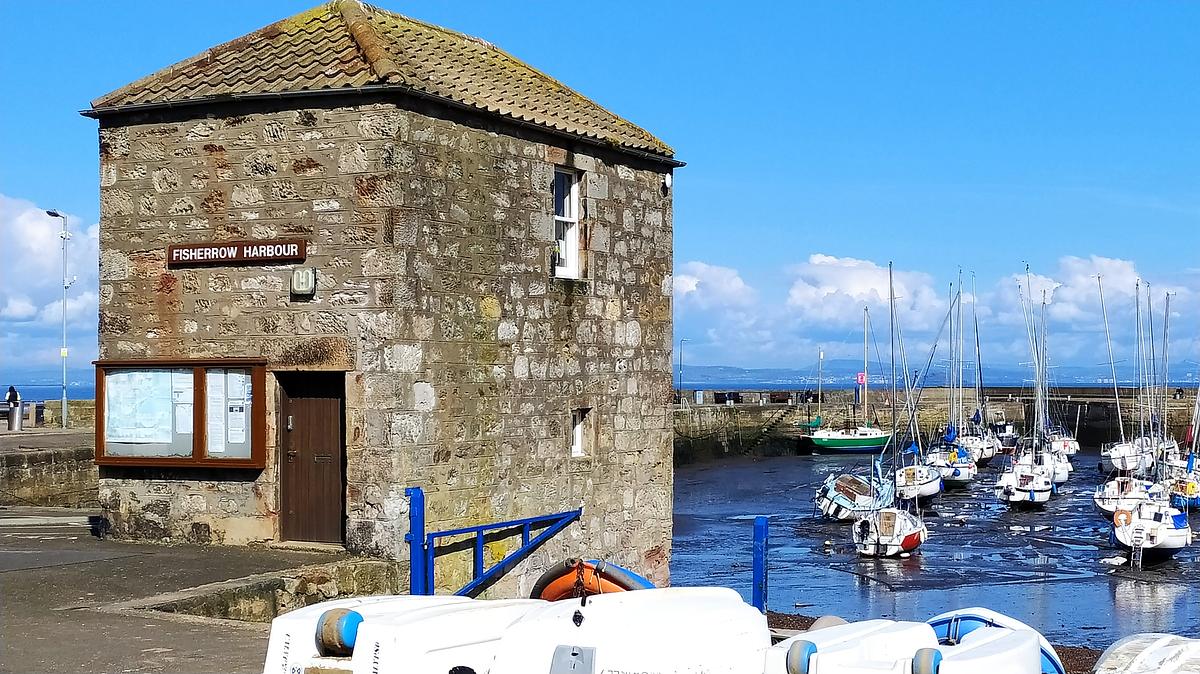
{"x":431,"y":233}
{"x":49,"y":477}
{"x":82,"y":413}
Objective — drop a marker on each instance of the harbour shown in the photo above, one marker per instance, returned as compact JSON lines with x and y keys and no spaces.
{"x":1043,"y":568}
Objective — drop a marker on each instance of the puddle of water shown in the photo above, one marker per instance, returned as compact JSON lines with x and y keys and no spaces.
{"x":1040,"y":567}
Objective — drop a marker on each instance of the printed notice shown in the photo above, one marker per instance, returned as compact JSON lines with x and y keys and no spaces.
{"x":183,"y":419}
{"x":238,"y":384}
{"x":237,"y":424}
{"x":181,"y":386}
{"x":214,"y":382}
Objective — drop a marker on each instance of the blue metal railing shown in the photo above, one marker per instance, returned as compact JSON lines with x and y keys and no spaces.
{"x":422,"y":545}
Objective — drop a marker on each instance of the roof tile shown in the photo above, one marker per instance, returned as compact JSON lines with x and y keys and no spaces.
{"x":345,"y":44}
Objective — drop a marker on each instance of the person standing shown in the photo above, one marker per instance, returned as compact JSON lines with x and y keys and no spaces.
{"x":12,"y":398}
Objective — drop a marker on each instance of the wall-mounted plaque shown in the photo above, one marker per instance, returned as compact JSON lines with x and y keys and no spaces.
{"x":273,"y":251}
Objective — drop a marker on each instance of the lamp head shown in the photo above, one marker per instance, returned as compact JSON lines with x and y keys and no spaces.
{"x":55,"y":214}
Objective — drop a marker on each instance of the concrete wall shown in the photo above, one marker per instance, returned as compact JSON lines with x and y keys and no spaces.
{"x":49,"y":477}
{"x":707,"y":432}
{"x":431,"y":233}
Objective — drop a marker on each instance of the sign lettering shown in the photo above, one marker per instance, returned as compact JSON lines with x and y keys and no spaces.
{"x":274,"y":251}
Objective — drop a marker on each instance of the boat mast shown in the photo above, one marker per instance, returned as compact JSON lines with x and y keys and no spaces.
{"x":1152,"y":388}
{"x":958,"y":400}
{"x":892,"y":357}
{"x":1166,"y":365}
{"x":979,"y":398}
{"x":866,"y":374}
{"x":1112,"y":364}
{"x":820,"y":362}
{"x":1137,"y":319}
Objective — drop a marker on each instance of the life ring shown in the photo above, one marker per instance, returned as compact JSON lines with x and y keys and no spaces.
{"x":1122,"y":518}
{"x":578,"y":577}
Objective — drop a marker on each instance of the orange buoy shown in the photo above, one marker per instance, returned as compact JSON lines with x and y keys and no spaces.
{"x":1122,"y":518}
{"x":576,"y":578}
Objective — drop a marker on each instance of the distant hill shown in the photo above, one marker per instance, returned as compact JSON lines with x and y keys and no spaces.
{"x":843,"y":373}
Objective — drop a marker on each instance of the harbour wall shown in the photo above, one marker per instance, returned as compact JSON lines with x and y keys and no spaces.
{"x":754,"y":423}
{"x":61,"y":477}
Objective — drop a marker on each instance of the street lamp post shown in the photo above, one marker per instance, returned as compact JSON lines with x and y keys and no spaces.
{"x":64,"y":235}
{"x":681,"y":341}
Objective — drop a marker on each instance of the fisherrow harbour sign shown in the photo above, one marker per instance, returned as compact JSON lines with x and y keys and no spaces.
{"x":274,"y":251}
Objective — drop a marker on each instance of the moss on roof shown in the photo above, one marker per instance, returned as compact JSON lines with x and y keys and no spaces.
{"x":346,"y":44}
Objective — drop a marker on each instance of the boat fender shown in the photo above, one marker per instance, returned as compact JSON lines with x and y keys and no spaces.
{"x":927,"y":661}
{"x":798,"y":656}
{"x":1122,"y":518}
{"x":337,"y":630}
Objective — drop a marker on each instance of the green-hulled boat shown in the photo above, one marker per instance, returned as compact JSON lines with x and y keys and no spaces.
{"x":862,"y":439}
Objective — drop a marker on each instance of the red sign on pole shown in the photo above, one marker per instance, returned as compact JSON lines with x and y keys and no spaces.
{"x":862,"y":378}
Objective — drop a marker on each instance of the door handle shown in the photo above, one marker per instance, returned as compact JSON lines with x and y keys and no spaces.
{"x":291,"y":455}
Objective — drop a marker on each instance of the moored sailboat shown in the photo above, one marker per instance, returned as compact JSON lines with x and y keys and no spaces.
{"x":862,"y":438}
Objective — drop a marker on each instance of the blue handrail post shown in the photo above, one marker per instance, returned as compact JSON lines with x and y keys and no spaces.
{"x":418,"y":575}
{"x":759,"y":591}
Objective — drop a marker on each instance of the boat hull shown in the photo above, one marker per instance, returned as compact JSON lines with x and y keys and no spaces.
{"x":848,"y":445}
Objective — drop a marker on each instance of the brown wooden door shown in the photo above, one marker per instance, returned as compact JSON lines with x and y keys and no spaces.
{"x":311,"y":456}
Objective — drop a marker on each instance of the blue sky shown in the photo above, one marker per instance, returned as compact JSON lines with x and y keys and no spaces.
{"x":823,"y":139}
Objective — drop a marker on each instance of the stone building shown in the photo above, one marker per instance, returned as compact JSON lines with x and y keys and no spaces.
{"x":352,"y":253}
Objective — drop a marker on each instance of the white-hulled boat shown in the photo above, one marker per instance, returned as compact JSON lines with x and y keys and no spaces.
{"x":1153,"y":529}
{"x":888,"y":533}
{"x":918,"y":482}
{"x":956,"y":466}
{"x":1131,"y":456}
{"x":1056,"y":464}
{"x":1063,"y":441}
{"x":1024,"y":484}
{"x":1125,"y":493}
{"x":846,"y":497}
{"x":981,"y":444}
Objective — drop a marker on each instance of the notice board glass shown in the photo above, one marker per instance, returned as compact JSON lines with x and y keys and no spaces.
{"x":181,"y":413}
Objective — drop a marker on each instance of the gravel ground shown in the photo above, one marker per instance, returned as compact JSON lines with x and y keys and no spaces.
{"x":1077,"y":660}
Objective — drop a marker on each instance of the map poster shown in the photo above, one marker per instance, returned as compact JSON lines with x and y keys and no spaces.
{"x":137,"y":406}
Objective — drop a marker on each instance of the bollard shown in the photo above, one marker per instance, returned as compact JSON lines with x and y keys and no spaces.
{"x":759,"y":590}
{"x":418,"y":575}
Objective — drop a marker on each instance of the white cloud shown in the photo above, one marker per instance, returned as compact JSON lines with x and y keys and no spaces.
{"x":18,"y":308}
{"x":709,"y":286}
{"x":832,"y":291}
{"x":733,"y":323}
{"x":31,"y":285}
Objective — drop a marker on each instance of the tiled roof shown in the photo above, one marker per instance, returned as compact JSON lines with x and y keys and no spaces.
{"x":348,"y":45}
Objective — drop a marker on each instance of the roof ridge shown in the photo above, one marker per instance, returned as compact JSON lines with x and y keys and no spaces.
{"x":354,"y":15}
{"x":620,"y":121}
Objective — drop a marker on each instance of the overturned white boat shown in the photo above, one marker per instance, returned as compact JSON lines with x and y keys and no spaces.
{"x":888,"y":532}
{"x":679,"y":630}
{"x":848,"y":496}
{"x":1151,"y":654}
{"x":970,"y":641}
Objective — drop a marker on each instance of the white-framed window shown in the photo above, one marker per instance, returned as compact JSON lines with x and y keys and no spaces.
{"x":566,"y":224}
{"x":579,"y":434}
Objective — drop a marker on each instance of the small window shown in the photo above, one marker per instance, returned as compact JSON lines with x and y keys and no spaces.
{"x":566,"y":224}
{"x":580,"y":438}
